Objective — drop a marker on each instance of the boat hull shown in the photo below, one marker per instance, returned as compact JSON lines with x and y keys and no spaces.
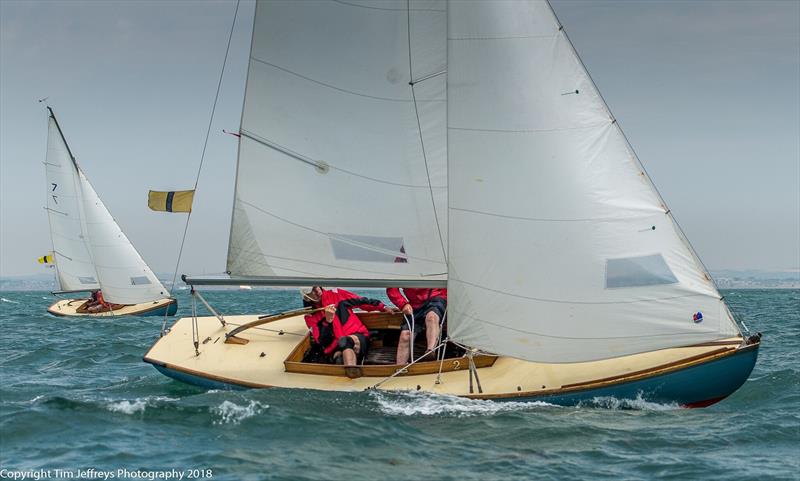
{"x":692,"y":376}
{"x":69,"y":308}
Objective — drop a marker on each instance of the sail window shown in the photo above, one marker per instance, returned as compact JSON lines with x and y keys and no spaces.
{"x":368,"y":248}
{"x":87,"y":280}
{"x":140,"y":280}
{"x":638,"y":271}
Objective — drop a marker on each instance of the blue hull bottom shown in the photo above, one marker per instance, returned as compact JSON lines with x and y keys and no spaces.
{"x":168,"y":310}
{"x":696,"y":386}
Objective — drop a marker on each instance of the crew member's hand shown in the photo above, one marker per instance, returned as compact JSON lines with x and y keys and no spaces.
{"x":391,"y":309}
{"x":330,"y":311}
{"x":407,"y":310}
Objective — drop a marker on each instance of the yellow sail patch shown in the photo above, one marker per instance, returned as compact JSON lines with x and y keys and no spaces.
{"x":172,"y":201}
{"x":48,"y":259}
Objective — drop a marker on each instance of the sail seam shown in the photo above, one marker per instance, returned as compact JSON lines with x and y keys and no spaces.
{"x":504,"y":37}
{"x":565,"y":301}
{"x":339,"y":89}
{"x":522,"y":331}
{"x":527,"y":131}
{"x":419,"y":130}
{"x":538,"y":219}
{"x":340,"y":239}
{"x":369,"y":7}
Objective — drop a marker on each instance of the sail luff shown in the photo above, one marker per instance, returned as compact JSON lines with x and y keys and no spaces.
{"x":73,"y":261}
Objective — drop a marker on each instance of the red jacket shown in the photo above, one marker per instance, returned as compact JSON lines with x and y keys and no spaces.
{"x":345,"y":302}
{"x":415,"y":297}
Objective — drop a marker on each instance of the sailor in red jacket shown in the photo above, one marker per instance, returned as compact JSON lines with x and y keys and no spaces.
{"x":337,"y":329}
{"x":428,"y":307}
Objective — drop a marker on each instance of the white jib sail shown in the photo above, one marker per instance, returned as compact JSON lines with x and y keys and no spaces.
{"x":123,"y":276}
{"x":74,"y":267}
{"x":560,"y":249}
{"x":342,"y":163}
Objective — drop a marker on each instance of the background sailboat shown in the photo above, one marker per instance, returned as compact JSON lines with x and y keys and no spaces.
{"x":433,"y":143}
{"x":90,"y":250}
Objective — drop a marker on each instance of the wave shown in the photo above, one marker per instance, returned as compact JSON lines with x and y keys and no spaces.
{"x":137,"y":405}
{"x":415,"y":403}
{"x":3,"y":299}
{"x":232,"y":413}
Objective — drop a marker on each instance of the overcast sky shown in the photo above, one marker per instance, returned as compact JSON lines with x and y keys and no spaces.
{"x":708,"y":93}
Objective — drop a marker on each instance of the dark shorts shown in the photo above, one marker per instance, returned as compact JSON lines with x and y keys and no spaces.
{"x":434,"y":304}
{"x":362,"y":352}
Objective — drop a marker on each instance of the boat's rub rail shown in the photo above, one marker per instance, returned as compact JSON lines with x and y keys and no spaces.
{"x":293,"y":363}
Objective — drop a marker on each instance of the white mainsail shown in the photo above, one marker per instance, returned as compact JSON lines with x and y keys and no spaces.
{"x":91,"y":250}
{"x":74,"y":267}
{"x":342,"y":164}
{"x":561,"y":250}
{"x":360,"y":118}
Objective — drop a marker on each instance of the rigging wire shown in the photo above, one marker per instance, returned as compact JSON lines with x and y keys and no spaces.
{"x":411,"y":83}
{"x":202,"y":158}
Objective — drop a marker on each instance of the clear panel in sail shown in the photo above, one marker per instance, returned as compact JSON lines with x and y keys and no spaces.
{"x":72,"y":259}
{"x":124,"y":277}
{"x":342,"y":163}
{"x":545,"y":201}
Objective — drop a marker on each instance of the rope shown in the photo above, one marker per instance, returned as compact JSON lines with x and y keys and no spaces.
{"x":195,"y":333}
{"x":202,"y":159}
{"x":399,"y":371}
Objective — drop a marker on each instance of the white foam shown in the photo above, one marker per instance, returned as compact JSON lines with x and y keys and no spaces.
{"x":639,"y":404}
{"x":8,"y":300}
{"x":135,"y":406}
{"x":415,"y":403}
{"x":232,"y":413}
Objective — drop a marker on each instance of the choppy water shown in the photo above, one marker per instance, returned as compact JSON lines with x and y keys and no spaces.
{"x":75,"y":394}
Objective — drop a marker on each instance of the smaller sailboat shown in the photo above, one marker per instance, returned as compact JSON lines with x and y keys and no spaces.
{"x":90,"y":251}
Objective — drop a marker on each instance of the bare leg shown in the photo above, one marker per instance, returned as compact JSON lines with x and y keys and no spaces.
{"x":403,"y":347}
{"x":432,"y":329}
{"x":349,"y":357}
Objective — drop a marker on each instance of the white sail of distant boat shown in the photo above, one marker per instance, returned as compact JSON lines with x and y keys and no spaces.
{"x":458,"y":144}
{"x":91,"y":251}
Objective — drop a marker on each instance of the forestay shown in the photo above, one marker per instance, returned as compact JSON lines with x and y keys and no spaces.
{"x":560,"y":249}
{"x":72,"y":259}
{"x":342,"y":162}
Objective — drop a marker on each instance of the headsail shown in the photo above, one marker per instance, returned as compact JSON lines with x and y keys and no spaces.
{"x":123,"y":275}
{"x":342,"y":163}
{"x":560,"y":248}
{"x":74,"y":267}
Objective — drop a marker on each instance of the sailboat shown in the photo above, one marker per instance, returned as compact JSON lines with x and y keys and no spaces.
{"x":454,"y":144}
{"x":90,"y":251}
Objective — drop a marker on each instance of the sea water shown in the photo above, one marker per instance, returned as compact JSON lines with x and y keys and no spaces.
{"x":77,"y":402}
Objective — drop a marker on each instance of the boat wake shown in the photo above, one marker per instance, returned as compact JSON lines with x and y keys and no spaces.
{"x":637,"y":404}
{"x":232,"y":413}
{"x":415,"y":403}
